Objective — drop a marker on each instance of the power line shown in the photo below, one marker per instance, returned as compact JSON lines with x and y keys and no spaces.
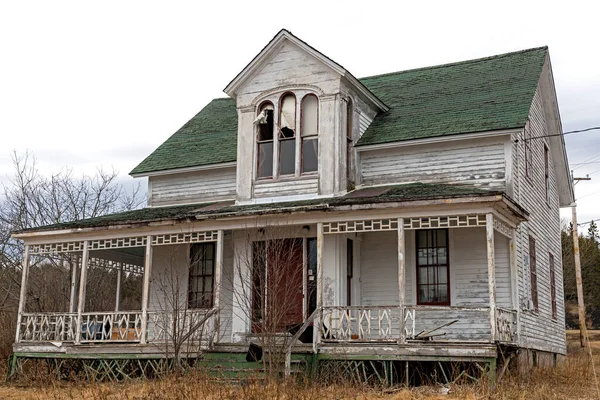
{"x":563,"y":134}
{"x":588,"y":222}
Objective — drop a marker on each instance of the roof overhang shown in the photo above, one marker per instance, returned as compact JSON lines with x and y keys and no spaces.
{"x":285,"y":35}
{"x":184,"y":170}
{"x":556,"y":139}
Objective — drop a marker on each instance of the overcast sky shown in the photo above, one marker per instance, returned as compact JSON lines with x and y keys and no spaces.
{"x":86,"y":84}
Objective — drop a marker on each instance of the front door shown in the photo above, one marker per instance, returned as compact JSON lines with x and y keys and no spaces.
{"x":277,"y":296}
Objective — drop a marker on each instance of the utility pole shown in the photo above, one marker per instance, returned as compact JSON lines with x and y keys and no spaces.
{"x":578,"y":279}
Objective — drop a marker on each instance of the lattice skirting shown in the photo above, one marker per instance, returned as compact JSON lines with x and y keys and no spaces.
{"x":92,"y":370}
{"x":407,"y":373}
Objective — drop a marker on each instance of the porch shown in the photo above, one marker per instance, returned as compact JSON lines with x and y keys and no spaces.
{"x":364,"y":287}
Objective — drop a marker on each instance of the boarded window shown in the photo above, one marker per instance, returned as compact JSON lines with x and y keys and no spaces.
{"x":553,"y":287}
{"x":201,"y":273}
{"x":310,"y":131}
{"x":433,"y":268}
{"x":528,"y":152}
{"x":265,"y":122}
{"x":546,"y":174}
{"x":533,"y":273}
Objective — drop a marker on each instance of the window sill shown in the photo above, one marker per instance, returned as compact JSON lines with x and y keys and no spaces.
{"x":288,"y":178}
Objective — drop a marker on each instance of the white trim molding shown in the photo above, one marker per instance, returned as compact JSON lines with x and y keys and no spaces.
{"x":184,"y":170}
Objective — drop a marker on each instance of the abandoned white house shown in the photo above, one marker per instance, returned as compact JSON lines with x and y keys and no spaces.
{"x":414,"y":215}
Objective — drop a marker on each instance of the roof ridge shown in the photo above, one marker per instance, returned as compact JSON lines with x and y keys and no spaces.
{"x":474,"y":60}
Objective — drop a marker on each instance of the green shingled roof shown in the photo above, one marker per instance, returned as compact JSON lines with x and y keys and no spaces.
{"x":385,"y":194}
{"x":208,"y":138}
{"x":472,"y":96}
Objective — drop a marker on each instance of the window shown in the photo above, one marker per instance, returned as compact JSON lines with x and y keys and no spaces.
{"x":310,"y":131}
{"x":533,"y":273}
{"x":287,"y":135}
{"x":546,"y":174}
{"x":202,"y":269}
{"x":265,"y":140}
{"x":433,"y":272}
{"x":528,"y":154}
{"x":349,"y":127}
{"x":349,"y":270}
{"x":287,"y":142}
{"x":553,"y":287}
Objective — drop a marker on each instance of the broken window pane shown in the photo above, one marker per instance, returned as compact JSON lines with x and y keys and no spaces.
{"x":310,"y":115}
{"x":265,"y":121}
{"x":287,"y":116}
{"x":265,"y":159}
{"x":310,"y":151}
{"x":287,"y":156}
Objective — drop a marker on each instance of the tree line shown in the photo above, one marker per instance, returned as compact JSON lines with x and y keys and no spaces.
{"x":32,"y":199}
{"x":589,"y":250}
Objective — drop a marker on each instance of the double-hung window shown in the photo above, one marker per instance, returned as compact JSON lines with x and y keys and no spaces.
{"x":433,"y":267}
{"x":201,"y":274}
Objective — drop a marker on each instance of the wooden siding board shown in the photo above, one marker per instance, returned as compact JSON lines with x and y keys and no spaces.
{"x":538,"y":330}
{"x":476,"y":164}
{"x":193,"y":187}
{"x":286,"y":187}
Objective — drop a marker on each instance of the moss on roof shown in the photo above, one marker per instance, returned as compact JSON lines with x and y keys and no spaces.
{"x":486,"y":94}
{"x":472,"y":96}
{"x":385,"y":194}
{"x":208,"y":138}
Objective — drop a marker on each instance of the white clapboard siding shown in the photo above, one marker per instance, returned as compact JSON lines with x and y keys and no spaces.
{"x":286,"y":188}
{"x":363,"y":122}
{"x":289,"y":66}
{"x":474,"y":164}
{"x":468,"y":267}
{"x":538,"y":330}
{"x":503,"y":278}
{"x":192,"y":187}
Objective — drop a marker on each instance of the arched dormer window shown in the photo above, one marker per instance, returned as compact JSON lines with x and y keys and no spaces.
{"x":265,"y":122}
{"x":287,"y":129}
{"x":309,"y":132}
{"x":287,"y":135}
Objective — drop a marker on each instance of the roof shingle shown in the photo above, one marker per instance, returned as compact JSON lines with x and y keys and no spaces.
{"x":480,"y":95}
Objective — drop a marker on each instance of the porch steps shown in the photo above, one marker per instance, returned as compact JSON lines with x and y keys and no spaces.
{"x":232,"y":366}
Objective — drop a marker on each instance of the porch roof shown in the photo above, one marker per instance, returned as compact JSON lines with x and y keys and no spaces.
{"x":374,"y":195}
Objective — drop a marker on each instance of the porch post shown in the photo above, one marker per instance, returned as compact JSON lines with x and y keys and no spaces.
{"x":82,"y":287}
{"x":489,"y":228}
{"x":118,"y":294}
{"x":23,"y":294}
{"x":146,"y":288}
{"x":74,"y":267}
{"x":319,"y":279}
{"x":217,"y":286}
{"x":401,"y":274}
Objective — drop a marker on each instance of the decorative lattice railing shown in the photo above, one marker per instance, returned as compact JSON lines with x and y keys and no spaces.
{"x":506,"y":325}
{"x":366,"y":323}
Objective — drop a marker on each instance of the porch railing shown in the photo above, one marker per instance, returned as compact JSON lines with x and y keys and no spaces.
{"x":366,"y":323}
{"x":506,"y":325}
{"x":122,"y":326}
{"x":48,"y":327}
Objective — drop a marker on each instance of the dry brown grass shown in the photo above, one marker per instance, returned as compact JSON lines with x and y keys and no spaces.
{"x":572,"y":380}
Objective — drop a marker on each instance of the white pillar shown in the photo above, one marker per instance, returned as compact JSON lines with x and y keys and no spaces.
{"x":118,"y":291}
{"x":82,"y":287}
{"x":217,"y":285}
{"x":319,"y":277}
{"x":73,"y":295}
{"x":489,"y":228}
{"x":23,"y":294}
{"x":146,"y":287}
{"x":401,"y":275}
